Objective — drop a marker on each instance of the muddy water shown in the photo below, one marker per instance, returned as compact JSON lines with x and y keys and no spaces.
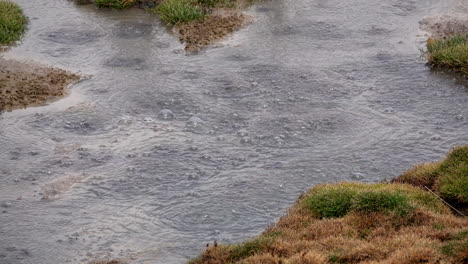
{"x":158,"y":153}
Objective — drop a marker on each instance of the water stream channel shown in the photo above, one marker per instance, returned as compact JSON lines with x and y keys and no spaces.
{"x":170,"y":151}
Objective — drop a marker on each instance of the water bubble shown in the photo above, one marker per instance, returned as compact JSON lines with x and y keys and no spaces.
{"x":459,"y":117}
{"x":166,"y":114}
{"x":194,"y":122}
{"x":436,"y":137}
{"x":193,"y":148}
{"x":192,"y":177}
{"x":243,"y":133}
{"x":6,"y":204}
{"x":236,"y":125}
{"x":389,"y":110}
{"x":357,"y":176}
{"x":148,"y":120}
{"x":246,"y":140}
{"x":254,"y":84}
{"x":206,"y":157}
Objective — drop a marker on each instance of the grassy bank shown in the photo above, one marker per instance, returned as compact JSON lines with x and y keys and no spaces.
{"x":366,"y":223}
{"x":12,"y":22}
{"x":450,"y":53}
{"x":448,"y":178}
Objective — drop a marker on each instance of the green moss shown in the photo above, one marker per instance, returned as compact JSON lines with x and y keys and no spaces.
{"x":381,"y":201}
{"x":333,"y":201}
{"x":451,"y":52}
{"x":337,"y":200}
{"x":179,"y":11}
{"x":453,"y":180}
{"x":117,"y":4}
{"x":449,"y":178}
{"x":12,"y":22}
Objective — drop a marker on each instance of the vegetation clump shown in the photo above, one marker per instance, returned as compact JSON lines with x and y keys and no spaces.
{"x":451,"y":52}
{"x":12,"y":22}
{"x":363,"y":223}
{"x":201,"y":22}
{"x":179,"y":11}
{"x":117,"y":4}
{"x":448,"y":178}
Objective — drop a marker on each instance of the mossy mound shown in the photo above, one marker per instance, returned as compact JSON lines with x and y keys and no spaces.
{"x":12,"y":22}
{"x":355,"y":223}
{"x":448,"y":178}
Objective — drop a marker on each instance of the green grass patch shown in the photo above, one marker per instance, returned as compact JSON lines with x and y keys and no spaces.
{"x":449,"y":178}
{"x":12,"y":22}
{"x":179,"y":11}
{"x":452,"y":183}
{"x":330,"y":202}
{"x":381,"y":201}
{"x":117,"y":4}
{"x":451,"y":52}
{"x":337,"y":200}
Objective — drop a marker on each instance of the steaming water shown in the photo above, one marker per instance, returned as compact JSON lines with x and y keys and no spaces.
{"x":173,"y":151}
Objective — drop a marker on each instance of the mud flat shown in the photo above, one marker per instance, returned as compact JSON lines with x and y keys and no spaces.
{"x":202,"y":33}
{"x":441,"y":27}
{"x":27,"y":84}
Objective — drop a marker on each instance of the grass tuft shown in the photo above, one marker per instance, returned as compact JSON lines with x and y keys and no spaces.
{"x":449,"y":178}
{"x":330,"y":202}
{"x":117,"y":4}
{"x":337,"y":200}
{"x":179,"y":11}
{"x":451,"y":52}
{"x":12,"y":22}
{"x":381,"y":201}
{"x":452,"y":183}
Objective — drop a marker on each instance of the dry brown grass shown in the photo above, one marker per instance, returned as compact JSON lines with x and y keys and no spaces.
{"x":302,"y":238}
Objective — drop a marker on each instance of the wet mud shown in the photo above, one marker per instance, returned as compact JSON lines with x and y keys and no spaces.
{"x":52,"y":190}
{"x":25,"y":84}
{"x":199,"y":34}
